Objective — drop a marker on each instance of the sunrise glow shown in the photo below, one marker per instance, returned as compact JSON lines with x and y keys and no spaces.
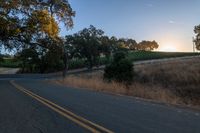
{"x":169,"y":47}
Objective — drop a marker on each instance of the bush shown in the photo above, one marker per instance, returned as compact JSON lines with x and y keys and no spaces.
{"x":11,"y":63}
{"x":118,"y":56}
{"x":76,"y":64}
{"x":1,"y":59}
{"x":120,"y":70}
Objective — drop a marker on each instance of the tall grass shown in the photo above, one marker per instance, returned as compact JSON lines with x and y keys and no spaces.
{"x":175,"y":82}
{"x":136,"y":89}
{"x":181,"y":77}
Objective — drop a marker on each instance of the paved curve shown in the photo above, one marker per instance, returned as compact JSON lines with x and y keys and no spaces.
{"x":4,"y":70}
{"x":20,"y":113}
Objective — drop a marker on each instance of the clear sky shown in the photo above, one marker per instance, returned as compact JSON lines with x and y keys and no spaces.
{"x":169,"y":22}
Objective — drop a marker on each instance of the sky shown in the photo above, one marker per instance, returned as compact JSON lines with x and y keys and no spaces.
{"x":169,"y":22}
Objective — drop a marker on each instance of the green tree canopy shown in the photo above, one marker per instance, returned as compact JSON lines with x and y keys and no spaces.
{"x":87,"y":43}
{"x":26,"y":21}
{"x":197,"y":39}
{"x":120,"y":69}
{"x":147,"y":45}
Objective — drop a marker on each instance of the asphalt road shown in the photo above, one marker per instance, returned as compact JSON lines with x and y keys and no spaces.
{"x":4,"y":70}
{"x":28,"y":108}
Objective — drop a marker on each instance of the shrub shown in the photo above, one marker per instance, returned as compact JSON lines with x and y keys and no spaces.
{"x":1,"y":59}
{"x":120,"y":70}
{"x":118,"y":56}
{"x":76,"y":64}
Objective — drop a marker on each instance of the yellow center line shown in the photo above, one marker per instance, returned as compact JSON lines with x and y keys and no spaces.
{"x":95,"y":128}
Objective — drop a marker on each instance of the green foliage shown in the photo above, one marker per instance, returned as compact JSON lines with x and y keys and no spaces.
{"x":76,"y":64}
{"x":87,"y":44}
{"x":10,"y":63}
{"x":42,"y":60}
{"x":106,"y":46}
{"x":40,"y":20}
{"x":32,"y":26}
{"x":80,"y":63}
{"x":50,"y":60}
{"x":148,"y":55}
{"x":91,"y":45}
{"x":1,"y":59}
{"x":118,"y":56}
{"x":120,"y":70}
{"x":130,"y":44}
{"x":197,"y":39}
{"x":29,"y":58}
{"x":147,"y":45}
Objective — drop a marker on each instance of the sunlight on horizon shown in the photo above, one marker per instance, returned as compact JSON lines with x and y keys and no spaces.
{"x":168,"y":47}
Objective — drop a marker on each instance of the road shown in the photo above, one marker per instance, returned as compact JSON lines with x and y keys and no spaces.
{"x":4,"y":70}
{"x":37,"y":106}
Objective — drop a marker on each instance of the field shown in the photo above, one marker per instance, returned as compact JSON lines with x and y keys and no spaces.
{"x":174,"y":82}
{"x":147,"y":55}
{"x":9,"y":63}
{"x":133,"y":56}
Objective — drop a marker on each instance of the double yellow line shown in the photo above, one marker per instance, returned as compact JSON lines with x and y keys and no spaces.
{"x":90,"y":126}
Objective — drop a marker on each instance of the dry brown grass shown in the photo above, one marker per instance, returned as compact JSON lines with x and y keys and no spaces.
{"x":181,"y":77}
{"x":175,"y":82}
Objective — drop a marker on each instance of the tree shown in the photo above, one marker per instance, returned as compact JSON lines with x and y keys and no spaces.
{"x":51,"y":56}
{"x":29,"y":58}
{"x":1,"y":58}
{"x":41,"y":59}
{"x":122,"y":44}
{"x":113,"y":41}
{"x":87,"y":43}
{"x":40,"y":18}
{"x":106,"y":46}
{"x":28,"y":23}
{"x":197,"y":39}
{"x":42,"y":24}
{"x":125,"y":44}
{"x":147,"y":45}
{"x":131,"y":44}
{"x":69,"y":51}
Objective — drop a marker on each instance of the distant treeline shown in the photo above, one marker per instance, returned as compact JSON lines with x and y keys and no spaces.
{"x":89,"y":45}
{"x":33,"y":30}
{"x":91,"y":42}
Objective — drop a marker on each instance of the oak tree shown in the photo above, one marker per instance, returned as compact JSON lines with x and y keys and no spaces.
{"x":24,"y":21}
{"x":197,"y":39}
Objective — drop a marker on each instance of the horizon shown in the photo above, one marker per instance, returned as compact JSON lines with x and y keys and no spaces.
{"x":173,"y":30}
{"x":125,"y":66}
{"x":139,"y":20}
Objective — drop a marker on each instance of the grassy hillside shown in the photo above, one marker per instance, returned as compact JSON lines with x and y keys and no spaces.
{"x":10,"y":63}
{"x":174,"y":82}
{"x":134,"y":56}
{"x":145,"y":55}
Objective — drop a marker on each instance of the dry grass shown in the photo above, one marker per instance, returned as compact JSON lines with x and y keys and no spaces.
{"x":175,"y":82}
{"x":181,"y":77}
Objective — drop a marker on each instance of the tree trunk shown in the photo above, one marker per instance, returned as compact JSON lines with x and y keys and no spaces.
{"x":65,"y":61}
